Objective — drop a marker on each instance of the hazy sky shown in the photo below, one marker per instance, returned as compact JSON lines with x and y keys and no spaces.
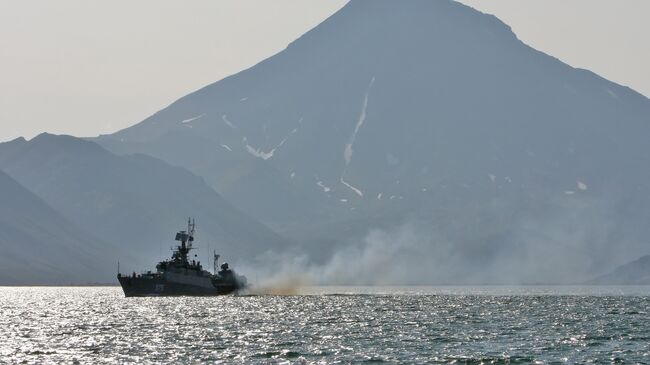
{"x":86,"y":67}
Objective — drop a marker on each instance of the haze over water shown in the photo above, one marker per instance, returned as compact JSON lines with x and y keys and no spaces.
{"x":490,"y":324}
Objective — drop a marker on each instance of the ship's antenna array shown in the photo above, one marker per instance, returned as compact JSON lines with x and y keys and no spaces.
{"x":215,"y":264}
{"x":191,"y":223}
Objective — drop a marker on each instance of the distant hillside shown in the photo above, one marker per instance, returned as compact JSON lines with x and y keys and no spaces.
{"x":427,"y":113}
{"x":40,"y":246}
{"x":135,"y":202}
{"x":634,"y":273}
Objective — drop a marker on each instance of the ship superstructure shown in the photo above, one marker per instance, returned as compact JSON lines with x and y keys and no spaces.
{"x":180,"y":276}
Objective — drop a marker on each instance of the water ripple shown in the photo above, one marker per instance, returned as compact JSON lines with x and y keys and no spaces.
{"x":99,"y":325}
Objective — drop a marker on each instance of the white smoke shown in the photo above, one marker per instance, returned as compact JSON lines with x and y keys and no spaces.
{"x":571,"y":245}
{"x":399,"y":256}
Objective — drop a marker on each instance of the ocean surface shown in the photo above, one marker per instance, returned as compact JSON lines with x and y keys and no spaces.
{"x":95,"y":325}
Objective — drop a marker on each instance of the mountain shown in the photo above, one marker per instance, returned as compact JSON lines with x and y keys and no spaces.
{"x":427,"y":113}
{"x":633,"y":273}
{"x":40,"y":246}
{"x":135,"y":202}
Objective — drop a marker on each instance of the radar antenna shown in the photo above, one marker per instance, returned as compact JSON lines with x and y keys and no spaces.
{"x":186,"y":239}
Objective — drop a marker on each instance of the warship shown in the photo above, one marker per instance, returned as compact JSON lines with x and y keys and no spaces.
{"x":179,"y":276}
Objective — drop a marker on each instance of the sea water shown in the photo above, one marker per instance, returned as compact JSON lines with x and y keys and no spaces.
{"x":96,"y":325}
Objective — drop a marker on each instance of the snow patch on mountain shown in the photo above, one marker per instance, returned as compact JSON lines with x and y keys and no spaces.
{"x":582,"y":186}
{"x":259,"y":153}
{"x":356,"y":191}
{"x":325,"y":188}
{"x":228,"y":122}
{"x":347,"y":153}
{"x":189,"y":120}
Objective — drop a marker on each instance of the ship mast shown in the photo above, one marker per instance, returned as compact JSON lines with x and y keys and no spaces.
{"x":190,"y":231}
{"x":215,"y":263}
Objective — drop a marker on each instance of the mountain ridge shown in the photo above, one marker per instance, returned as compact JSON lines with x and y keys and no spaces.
{"x":135,"y":201}
{"x":636,"y":272}
{"x":417,"y":110}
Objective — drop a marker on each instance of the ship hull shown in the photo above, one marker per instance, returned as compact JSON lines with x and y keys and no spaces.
{"x":161,"y":287}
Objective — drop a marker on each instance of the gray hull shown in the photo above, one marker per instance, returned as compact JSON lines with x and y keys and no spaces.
{"x":159,"y":286}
